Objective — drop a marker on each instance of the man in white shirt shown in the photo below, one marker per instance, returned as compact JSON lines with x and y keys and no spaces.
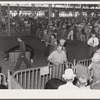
{"x":69,"y":77}
{"x":70,"y":35}
{"x":93,"y":42}
{"x":58,"y":56}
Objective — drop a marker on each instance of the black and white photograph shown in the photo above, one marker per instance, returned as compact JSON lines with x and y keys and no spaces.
{"x":50,"y":45}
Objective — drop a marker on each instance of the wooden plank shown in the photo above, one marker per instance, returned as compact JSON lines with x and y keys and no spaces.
{"x":32,"y":79}
{"x":25,"y":81}
{"x":50,"y":74}
{"x":39,"y":81}
{"x":28,"y":79}
{"x":56,"y":71}
{"x":36,"y":79}
{"x":42,"y":82}
{"x":21,"y":79}
{"x":60,"y":71}
{"x":53,"y":69}
{"x":46,"y":79}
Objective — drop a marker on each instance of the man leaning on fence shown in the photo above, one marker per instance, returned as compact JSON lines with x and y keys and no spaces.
{"x":58,"y":56}
{"x":22,"y":56}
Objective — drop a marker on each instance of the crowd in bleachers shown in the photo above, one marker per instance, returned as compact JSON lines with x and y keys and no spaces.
{"x":68,"y":29}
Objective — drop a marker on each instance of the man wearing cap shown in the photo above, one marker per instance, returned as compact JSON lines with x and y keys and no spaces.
{"x":69,"y":77}
{"x":93,"y":42}
{"x":94,"y":68}
{"x":62,"y":42}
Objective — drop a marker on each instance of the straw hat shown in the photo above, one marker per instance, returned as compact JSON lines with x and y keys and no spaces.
{"x":68,"y":74}
{"x":96,"y":57}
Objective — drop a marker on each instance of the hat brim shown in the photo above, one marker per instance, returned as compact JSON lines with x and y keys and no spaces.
{"x":65,"y":77}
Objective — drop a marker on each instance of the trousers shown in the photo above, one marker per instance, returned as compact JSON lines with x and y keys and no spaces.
{"x":19,"y":61}
{"x":92,"y":50}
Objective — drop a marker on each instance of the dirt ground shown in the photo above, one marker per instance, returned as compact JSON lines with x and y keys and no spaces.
{"x":76,"y":50}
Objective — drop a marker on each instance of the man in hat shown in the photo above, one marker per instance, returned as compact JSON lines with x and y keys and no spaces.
{"x":94,"y":68}
{"x":69,"y":77}
{"x":93,"y":42}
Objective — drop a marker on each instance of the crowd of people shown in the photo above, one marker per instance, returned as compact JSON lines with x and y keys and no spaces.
{"x":56,"y":34}
{"x":69,"y":29}
{"x":84,"y":82}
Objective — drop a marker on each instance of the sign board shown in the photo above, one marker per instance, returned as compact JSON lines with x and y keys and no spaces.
{"x":44,"y":70}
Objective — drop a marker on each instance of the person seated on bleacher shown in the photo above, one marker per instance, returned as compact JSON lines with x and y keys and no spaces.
{"x":94,"y":68}
{"x":58,"y":56}
{"x":69,"y":78}
{"x":83,"y":83}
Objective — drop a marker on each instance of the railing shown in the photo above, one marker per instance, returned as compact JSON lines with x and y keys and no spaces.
{"x":85,"y":62}
{"x":36,"y":78}
{"x":2,"y":79}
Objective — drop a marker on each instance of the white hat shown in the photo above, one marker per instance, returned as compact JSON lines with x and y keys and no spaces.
{"x":96,"y":57}
{"x":62,"y":40}
{"x":68,"y":74}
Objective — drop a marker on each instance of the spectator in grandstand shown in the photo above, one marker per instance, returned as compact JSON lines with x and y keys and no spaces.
{"x":63,"y":32}
{"x":46,"y":37}
{"x":58,"y":56}
{"x":94,"y":68}
{"x":82,"y":36}
{"x":87,"y":30}
{"x":69,"y":78}
{"x":83,"y":83}
{"x":62,"y":42}
{"x":70,"y":35}
{"x":93,"y":42}
{"x":79,"y":31}
{"x":53,"y":42}
{"x":22,"y":55}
